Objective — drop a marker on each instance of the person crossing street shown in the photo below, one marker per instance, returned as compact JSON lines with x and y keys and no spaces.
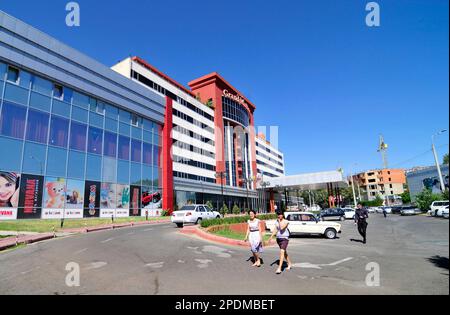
{"x":361,"y":217}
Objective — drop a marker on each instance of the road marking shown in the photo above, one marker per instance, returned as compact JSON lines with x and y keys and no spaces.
{"x":95,"y":265}
{"x":181,"y":262}
{"x":108,"y":240}
{"x":319,"y":266}
{"x":203,"y":263}
{"x":80,"y":251}
{"x":158,"y":265}
{"x":218,"y":251}
{"x":147,"y":230}
{"x":131,"y":233}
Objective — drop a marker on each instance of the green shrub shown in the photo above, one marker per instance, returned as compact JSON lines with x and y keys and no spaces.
{"x":235,"y":220}
{"x":165,"y":213}
{"x":236,"y":209}
{"x":224,"y":210}
{"x":426,"y":198}
{"x":209,"y":204}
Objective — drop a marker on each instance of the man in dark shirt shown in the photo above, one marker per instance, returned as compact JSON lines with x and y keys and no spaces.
{"x":361,"y":217}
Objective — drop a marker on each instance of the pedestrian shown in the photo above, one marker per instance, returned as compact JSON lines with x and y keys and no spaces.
{"x":361,"y":217}
{"x":385,"y":212}
{"x":255,"y":237}
{"x":281,"y":231}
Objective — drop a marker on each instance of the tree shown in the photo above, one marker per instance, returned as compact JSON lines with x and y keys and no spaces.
{"x":224,"y":210}
{"x":426,"y":198}
{"x":236,"y":209}
{"x":446,"y":159}
{"x":445,"y":195}
{"x":209,"y":204}
{"x":406,"y":197}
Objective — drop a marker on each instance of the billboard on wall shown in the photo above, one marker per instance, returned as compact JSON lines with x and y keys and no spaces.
{"x":9,"y":195}
{"x":135,"y":201}
{"x":54,"y":198}
{"x":123,"y":201}
{"x":108,"y":200}
{"x":434,"y":184}
{"x":92,"y":199}
{"x":151,"y":202}
{"x":74,"y":199}
{"x":30,"y":197}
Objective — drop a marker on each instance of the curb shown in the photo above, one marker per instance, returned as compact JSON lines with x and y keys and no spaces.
{"x":193,"y":230}
{"x":29,"y":239}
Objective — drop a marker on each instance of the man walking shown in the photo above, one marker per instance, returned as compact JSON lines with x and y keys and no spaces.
{"x":361,"y":217}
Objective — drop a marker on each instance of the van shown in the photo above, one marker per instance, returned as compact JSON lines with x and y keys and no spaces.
{"x":438,"y":207}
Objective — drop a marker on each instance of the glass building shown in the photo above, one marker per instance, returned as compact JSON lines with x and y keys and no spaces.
{"x":74,"y":142}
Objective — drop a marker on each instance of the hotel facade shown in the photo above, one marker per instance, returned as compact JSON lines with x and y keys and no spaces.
{"x":78,"y":139}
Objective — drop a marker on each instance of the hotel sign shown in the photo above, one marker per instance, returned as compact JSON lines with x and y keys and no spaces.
{"x":236,"y":98}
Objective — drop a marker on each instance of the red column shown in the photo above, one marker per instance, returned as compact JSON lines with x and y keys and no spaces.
{"x":167,"y":162}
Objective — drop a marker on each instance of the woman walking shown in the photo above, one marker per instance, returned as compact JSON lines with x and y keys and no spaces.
{"x":255,"y":237}
{"x":281,"y":231}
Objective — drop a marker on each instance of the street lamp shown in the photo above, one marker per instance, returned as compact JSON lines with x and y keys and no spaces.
{"x":248,"y":181}
{"x":436,"y":158}
{"x":40,"y":163}
{"x":221,"y":176}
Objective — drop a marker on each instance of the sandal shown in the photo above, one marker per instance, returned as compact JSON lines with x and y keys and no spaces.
{"x":278,"y":272}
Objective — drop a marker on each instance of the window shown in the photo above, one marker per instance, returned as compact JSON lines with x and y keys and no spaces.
{"x":76,"y":165}
{"x":40,"y":102}
{"x":41,"y":86}
{"x":11,"y":154}
{"x":81,"y":100}
{"x":136,"y":150}
{"x":12,"y":120}
{"x":124,"y":148}
{"x":123,"y":172}
{"x":124,"y":116}
{"x":94,"y":167}
{"x":56,"y":162}
{"x":61,"y":108}
{"x":111,"y":111}
{"x":136,"y":177}
{"x":147,"y":154}
{"x":59,"y":132}
{"x":37,"y":127}
{"x":110,"y":146}
{"x":78,"y":136}
{"x":13,"y":75}
{"x":34,"y":159}
{"x":58,"y":91}
{"x":109,"y":170}
{"x":135,"y":120}
{"x":95,"y":140}
{"x":79,"y":114}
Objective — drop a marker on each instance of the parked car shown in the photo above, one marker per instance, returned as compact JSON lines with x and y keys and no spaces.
{"x":437,"y":207}
{"x":445,"y":213}
{"x":382,"y":209}
{"x":306,"y":223}
{"x":335,"y":214}
{"x":372,"y":209}
{"x":194,"y":214}
{"x":396,"y":210}
{"x":406,"y":211}
{"x":349,"y":213}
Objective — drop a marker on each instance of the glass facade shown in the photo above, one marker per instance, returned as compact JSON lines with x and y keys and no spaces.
{"x":50,"y":131}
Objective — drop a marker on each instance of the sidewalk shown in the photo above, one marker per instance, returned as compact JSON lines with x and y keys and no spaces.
{"x":21,"y":238}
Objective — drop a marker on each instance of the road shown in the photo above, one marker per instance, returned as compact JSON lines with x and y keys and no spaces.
{"x":411,"y":252}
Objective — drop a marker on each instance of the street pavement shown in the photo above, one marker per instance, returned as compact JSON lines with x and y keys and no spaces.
{"x":411,"y":252}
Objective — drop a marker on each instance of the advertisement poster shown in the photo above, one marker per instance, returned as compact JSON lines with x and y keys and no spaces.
{"x":30,"y":197}
{"x":135,"y":201}
{"x":123,"y":201}
{"x":151,"y":203}
{"x":108,"y":200}
{"x":92,"y":199}
{"x":74,"y":199}
{"x":434,"y":184}
{"x":9,"y":195}
{"x":54,"y":198}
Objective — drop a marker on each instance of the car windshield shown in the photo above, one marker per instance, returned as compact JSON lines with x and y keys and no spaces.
{"x":187,"y":208}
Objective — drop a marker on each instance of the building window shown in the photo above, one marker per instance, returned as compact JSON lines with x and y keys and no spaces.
{"x":58,"y":91}
{"x":78,"y":136}
{"x":136,"y":150}
{"x":95,"y":140}
{"x":13,"y":75}
{"x":147,"y":154}
{"x":110,"y":146}
{"x":124,"y":148}
{"x":12,"y":120}
{"x":37,"y":127}
{"x":59,"y":132}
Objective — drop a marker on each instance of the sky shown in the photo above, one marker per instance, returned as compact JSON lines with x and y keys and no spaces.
{"x":313,"y":68}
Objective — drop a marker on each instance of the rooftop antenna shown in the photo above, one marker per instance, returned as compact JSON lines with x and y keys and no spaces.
{"x":383,"y":147}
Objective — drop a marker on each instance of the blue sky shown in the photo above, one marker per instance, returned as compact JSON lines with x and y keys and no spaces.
{"x":313,"y":68}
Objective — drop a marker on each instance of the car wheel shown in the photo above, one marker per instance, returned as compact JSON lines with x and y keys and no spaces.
{"x":218,"y":217}
{"x":199,"y":221}
{"x":180,"y":225}
{"x":342,"y":219}
{"x":330,"y":234}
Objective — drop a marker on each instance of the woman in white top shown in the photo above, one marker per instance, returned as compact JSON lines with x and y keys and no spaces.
{"x":255,"y":237}
{"x":281,"y":231}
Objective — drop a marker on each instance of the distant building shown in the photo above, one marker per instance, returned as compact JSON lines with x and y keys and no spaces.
{"x":426,"y":178}
{"x":386,"y":183}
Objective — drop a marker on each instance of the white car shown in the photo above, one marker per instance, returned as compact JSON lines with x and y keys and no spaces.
{"x":349,"y":213}
{"x":301,"y":223}
{"x":194,"y":214}
{"x":445,"y":213}
{"x":437,"y":208}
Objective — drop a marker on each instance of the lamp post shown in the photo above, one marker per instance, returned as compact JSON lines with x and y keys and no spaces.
{"x":247,"y":181}
{"x":436,"y":158}
{"x":221,"y":176}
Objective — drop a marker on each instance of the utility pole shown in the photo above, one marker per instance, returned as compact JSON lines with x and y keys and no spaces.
{"x":436,"y":158}
{"x":353,"y":189}
{"x":383,"y":147}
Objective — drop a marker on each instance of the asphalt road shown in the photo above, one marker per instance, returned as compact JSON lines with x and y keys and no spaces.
{"x":411,"y":252}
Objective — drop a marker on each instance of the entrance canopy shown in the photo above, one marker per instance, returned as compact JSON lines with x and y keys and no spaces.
{"x":312,"y":181}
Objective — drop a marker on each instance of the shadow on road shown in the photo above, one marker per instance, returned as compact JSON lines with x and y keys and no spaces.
{"x":440,"y":262}
{"x":356,"y":241}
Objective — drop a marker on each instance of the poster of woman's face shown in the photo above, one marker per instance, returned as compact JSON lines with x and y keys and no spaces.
{"x":123,"y":196}
{"x":9,"y":190}
{"x":75,"y":194}
{"x":108,"y":198}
